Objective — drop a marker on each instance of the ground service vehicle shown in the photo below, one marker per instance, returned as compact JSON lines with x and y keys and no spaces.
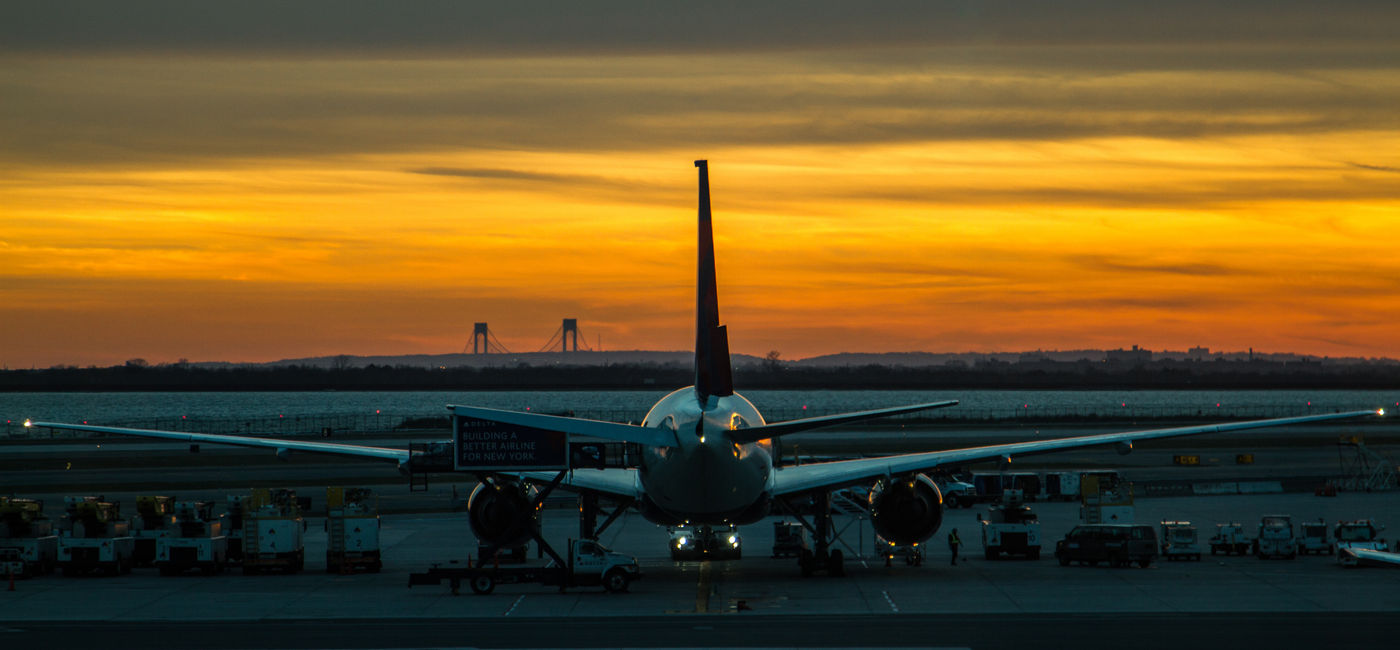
{"x":1179,"y":541}
{"x":1230,"y":539}
{"x":913,"y":554}
{"x":272,"y":532}
{"x":151,"y":523}
{"x":1312,"y":538}
{"x":589,"y":564}
{"x":352,"y":530}
{"x":1116,"y":544}
{"x":789,"y":538}
{"x":706,"y":543}
{"x":231,"y":525}
{"x":196,"y":541}
{"x":1275,"y":538}
{"x":93,"y":537}
{"x":1360,"y":534}
{"x":26,"y":538}
{"x":957,"y":494}
{"x":1011,"y":527}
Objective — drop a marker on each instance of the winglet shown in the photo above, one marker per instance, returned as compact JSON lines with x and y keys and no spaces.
{"x":713,"y":375}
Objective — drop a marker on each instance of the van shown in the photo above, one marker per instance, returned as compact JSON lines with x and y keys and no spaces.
{"x":1116,"y":544}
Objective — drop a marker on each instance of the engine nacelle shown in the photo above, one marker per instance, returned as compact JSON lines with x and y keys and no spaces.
{"x":502,"y":514}
{"x":906,"y":510}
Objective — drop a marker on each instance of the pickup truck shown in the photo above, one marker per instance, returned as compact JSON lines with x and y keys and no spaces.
{"x":589,"y":564}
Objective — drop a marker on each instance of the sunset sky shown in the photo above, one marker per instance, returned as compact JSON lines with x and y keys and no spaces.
{"x":251,"y":181}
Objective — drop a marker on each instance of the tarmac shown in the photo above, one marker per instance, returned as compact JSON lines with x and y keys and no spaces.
{"x":697,"y":604}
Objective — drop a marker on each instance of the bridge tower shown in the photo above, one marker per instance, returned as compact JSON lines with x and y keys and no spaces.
{"x":570,"y":326}
{"x":481,"y":341}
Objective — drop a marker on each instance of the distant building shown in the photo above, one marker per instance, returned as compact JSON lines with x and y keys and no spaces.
{"x":1134,"y":356}
{"x":1198,"y":354}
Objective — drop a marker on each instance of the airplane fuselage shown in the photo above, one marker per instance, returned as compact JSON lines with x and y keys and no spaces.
{"x":706,"y":478}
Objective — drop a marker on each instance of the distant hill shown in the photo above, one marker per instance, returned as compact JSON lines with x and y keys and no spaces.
{"x":534,"y":359}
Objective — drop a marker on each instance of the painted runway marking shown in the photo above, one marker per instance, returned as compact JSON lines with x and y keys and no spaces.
{"x":517,"y":604}
{"x":702,"y":589}
{"x":890,"y":601}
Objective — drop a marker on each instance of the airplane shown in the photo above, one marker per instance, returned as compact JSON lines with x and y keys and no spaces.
{"x":707,"y":454}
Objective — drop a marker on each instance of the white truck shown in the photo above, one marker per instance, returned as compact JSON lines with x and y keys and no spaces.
{"x":151,"y":523}
{"x":92,"y":537}
{"x":352,"y":530}
{"x":1275,"y":539}
{"x":195,"y":541}
{"x":1313,"y":539}
{"x":1362,"y":534}
{"x":1179,"y":541}
{"x":957,"y":494}
{"x":1230,"y":539}
{"x":272,"y":532}
{"x":589,"y":564}
{"x":1011,"y":527}
{"x":26,"y":539}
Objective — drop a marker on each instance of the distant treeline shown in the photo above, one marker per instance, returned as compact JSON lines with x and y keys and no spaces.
{"x":1041,"y":375}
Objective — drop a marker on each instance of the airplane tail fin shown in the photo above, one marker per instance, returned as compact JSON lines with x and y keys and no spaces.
{"x":713,"y":375}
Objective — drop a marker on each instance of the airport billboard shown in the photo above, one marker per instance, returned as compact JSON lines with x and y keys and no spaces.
{"x":486,"y":446}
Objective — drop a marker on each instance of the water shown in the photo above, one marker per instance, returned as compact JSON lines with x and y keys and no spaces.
{"x":630,"y":405}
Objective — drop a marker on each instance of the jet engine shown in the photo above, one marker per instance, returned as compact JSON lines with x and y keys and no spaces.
{"x":502,"y":513}
{"x":906,"y":510}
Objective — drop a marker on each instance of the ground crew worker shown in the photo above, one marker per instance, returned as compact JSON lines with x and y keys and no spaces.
{"x":953,"y":544}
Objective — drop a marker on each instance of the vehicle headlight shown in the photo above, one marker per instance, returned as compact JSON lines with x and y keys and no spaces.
{"x":680,"y":542}
{"x":733,"y":539}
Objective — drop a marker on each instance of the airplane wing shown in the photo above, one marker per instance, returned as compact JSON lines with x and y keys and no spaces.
{"x":1374,"y":557}
{"x":842,"y":473}
{"x":754,"y":434}
{"x":382,"y":453}
{"x":653,"y":436}
{"x":616,"y":482}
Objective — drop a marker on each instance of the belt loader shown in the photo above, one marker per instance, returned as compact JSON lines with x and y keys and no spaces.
{"x":151,"y":523}
{"x":272,"y":532}
{"x":93,"y":537}
{"x":27,"y":541}
{"x":352,"y":530}
{"x":195,"y":541}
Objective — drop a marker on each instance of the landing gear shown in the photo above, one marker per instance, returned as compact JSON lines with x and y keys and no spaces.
{"x":822,"y":557}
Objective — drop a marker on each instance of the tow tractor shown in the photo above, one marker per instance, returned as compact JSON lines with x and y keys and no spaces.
{"x":1358,"y":534}
{"x":913,"y":554}
{"x":1179,"y":541}
{"x":1312,"y":538}
{"x":1275,"y":538}
{"x":1229,"y":539}
{"x":1011,"y":527}
{"x":590,"y":564}
{"x":705,"y":543}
